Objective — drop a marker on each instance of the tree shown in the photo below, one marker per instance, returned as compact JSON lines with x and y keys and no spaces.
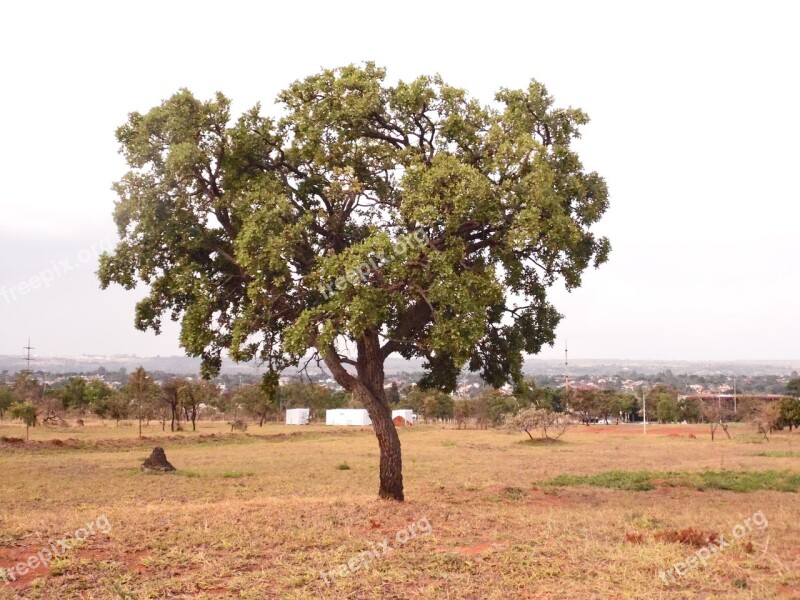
{"x":405,"y":218}
{"x":766,"y":418}
{"x":790,"y":413}
{"x":690,"y":410}
{"x":393,"y":395}
{"x":793,"y":387}
{"x":255,"y":401}
{"x":27,"y":412}
{"x":142,"y":392}
{"x":74,"y":396}
{"x":195,"y":394}
{"x":717,"y":414}
{"x":627,"y":405}
{"x":98,"y":394}
{"x":170,"y":391}
{"x":665,"y":401}
{"x":666,"y":409}
{"x":5,"y":399}
{"x":26,"y":389}
{"x":118,"y":406}
{"x":499,"y":406}
{"x":584,"y":403}
{"x":549,"y":424}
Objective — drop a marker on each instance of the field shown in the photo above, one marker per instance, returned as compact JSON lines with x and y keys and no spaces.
{"x":276,"y":511}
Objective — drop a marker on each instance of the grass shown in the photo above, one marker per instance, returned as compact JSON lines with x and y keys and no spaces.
{"x":736,"y":481}
{"x":261,"y":518}
{"x":779,"y":454}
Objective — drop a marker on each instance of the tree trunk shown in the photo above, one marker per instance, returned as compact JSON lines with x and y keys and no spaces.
{"x":367,"y":387}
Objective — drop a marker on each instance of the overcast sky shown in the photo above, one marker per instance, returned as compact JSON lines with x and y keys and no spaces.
{"x":695,"y":123}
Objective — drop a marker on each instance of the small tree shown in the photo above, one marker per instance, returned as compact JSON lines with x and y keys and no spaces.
{"x":5,"y":399}
{"x":766,"y":418}
{"x":194,"y":394}
{"x":549,"y":424}
{"x":717,"y":414}
{"x":27,"y":412}
{"x":118,"y":406}
{"x":584,"y":403}
{"x":256,"y":402}
{"x":790,"y":413}
{"x":461,"y":412}
{"x":170,"y":392}
{"x":74,"y":395}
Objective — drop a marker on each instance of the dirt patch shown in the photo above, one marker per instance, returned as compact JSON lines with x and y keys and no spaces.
{"x":474,"y":549}
{"x":10,"y":557}
{"x":688,"y":536}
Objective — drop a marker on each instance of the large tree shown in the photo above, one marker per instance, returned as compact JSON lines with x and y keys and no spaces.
{"x":369,"y":219}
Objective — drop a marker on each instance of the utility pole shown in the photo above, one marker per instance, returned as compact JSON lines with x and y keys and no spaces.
{"x":29,"y":359}
{"x":644,"y":411}
{"x":566,"y":369}
{"x":734,"y":394}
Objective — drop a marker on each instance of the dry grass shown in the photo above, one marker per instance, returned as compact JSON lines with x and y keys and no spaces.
{"x":259,"y":515}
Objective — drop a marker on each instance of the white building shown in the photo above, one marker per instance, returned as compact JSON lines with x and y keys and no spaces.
{"x":297,"y":416}
{"x":347,"y":416}
{"x":406,"y":413}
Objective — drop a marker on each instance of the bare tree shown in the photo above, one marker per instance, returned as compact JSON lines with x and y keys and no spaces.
{"x":717,"y":414}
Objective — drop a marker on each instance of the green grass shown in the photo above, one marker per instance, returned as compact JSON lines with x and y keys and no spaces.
{"x":237,"y":474}
{"x":735,"y":481}
{"x":618,"y":480}
{"x":778,"y":454}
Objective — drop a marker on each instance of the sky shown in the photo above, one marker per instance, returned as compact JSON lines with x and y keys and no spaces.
{"x":694,"y":126}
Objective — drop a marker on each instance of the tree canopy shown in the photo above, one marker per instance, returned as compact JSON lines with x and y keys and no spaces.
{"x":369,"y":219}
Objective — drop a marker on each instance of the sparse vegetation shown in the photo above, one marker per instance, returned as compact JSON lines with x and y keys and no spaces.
{"x":492,"y":529}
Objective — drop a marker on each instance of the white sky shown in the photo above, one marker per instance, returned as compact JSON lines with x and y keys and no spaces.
{"x":695,"y":124}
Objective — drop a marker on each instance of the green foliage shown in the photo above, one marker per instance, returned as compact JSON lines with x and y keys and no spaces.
{"x":666,"y":409}
{"x":74,"y":394}
{"x":736,"y":481}
{"x":500,"y":406}
{"x":239,"y":227}
{"x":406,"y":218}
{"x":665,"y":402}
{"x":26,"y":388}
{"x":790,"y":413}
{"x":117,"y":406}
{"x":98,"y":394}
{"x":430,"y":404}
{"x":255,"y":401}
{"x":393,"y":395}
{"x":26,"y":412}
{"x":6,"y":399}
{"x":793,"y":387}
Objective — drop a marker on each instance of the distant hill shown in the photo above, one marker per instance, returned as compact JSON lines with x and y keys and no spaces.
{"x":396,"y":364}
